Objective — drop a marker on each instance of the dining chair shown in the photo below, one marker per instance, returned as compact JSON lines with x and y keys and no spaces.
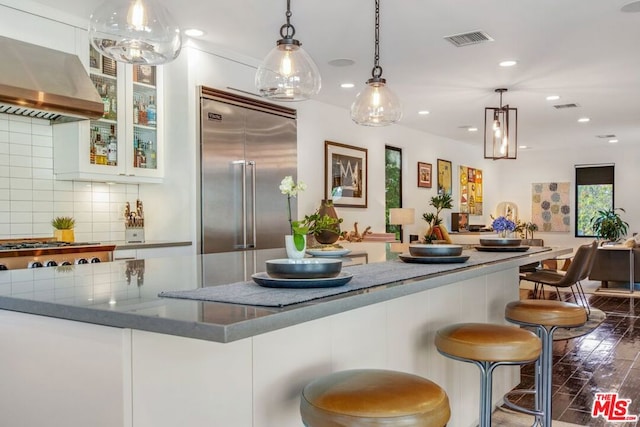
{"x":578,"y":270}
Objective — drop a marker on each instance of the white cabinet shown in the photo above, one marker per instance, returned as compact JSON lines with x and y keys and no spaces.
{"x":125,"y":145}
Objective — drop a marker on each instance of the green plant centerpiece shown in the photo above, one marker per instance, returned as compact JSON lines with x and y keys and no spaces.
{"x":608,"y":225}
{"x":436,"y":230}
{"x":63,"y":226}
{"x":325,"y":228}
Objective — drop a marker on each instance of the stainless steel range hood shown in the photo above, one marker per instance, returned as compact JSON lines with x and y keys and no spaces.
{"x":44,"y":83}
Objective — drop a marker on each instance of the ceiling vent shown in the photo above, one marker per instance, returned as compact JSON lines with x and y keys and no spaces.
{"x":466,"y":39}
{"x":605,"y":136}
{"x":562,"y":106}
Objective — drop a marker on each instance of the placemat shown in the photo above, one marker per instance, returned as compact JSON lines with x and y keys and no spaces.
{"x":365,"y":276}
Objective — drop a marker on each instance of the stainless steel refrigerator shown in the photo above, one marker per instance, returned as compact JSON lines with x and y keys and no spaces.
{"x":246,"y":147}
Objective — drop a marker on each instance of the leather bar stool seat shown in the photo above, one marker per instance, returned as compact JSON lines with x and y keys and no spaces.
{"x":487,"y":346}
{"x":373,"y":398}
{"x":488,"y":342}
{"x":546,"y":313}
{"x":546,"y":316}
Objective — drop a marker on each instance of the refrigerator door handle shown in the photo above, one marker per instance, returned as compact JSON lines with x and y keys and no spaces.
{"x":244,"y":203}
{"x":252,"y":164}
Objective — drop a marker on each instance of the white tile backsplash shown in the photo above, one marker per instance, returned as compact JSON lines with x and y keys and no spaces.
{"x":30,"y":197}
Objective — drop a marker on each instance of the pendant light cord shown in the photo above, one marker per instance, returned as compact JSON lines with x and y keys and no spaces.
{"x":287,"y":31}
{"x":377,"y":69}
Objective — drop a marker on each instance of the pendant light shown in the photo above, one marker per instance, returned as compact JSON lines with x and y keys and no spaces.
{"x":135,"y":32}
{"x":500,"y":131}
{"x":376,"y":105}
{"x":288,"y":73}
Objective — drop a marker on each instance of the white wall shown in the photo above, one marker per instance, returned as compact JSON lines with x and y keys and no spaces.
{"x":558,"y":166}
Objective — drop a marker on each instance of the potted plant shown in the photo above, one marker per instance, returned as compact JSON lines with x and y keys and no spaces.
{"x":325,"y":228}
{"x":63,"y":228}
{"x":437,"y":230}
{"x":608,"y":225}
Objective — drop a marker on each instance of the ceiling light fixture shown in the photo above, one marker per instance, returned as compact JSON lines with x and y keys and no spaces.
{"x":553,"y":97}
{"x":424,"y":112}
{"x":194,"y":32}
{"x":508,"y":63}
{"x":135,"y":32}
{"x":376,"y":105}
{"x":500,"y":131}
{"x":347,"y":85}
{"x":613,"y":141}
{"x":472,"y":129}
{"x":288,"y":73}
{"x":584,"y":119}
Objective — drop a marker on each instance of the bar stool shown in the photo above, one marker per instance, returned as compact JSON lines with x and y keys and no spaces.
{"x":546,"y":316}
{"x":487,"y":346}
{"x":373,"y":398}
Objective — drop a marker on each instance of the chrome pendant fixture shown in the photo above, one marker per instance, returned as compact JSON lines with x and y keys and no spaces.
{"x":500,"y":131}
{"x":288,"y":73}
{"x":376,"y":104}
{"x":135,"y":32}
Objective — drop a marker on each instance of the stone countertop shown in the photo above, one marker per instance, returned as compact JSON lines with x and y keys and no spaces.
{"x":124,"y":293}
{"x":122,"y":245}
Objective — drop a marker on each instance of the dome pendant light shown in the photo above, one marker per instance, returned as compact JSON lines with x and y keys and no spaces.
{"x":135,"y":32}
{"x":376,"y":105}
{"x":288,"y":73}
{"x":500,"y":131}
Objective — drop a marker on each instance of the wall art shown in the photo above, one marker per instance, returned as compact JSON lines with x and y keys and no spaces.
{"x":345,"y":174}
{"x":550,"y":208}
{"x":470,"y":190}
{"x":424,"y":175}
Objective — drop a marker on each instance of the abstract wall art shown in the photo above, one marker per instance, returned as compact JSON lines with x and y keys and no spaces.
{"x":550,"y":208}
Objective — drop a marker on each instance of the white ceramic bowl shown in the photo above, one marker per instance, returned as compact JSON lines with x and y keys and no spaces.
{"x":305,"y":268}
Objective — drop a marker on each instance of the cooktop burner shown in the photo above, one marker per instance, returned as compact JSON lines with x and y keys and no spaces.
{"x":40,"y":245}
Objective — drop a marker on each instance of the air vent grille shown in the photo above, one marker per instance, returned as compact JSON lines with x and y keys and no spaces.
{"x":561,"y":106}
{"x":466,"y":39}
{"x":606,"y":136}
{"x":28,"y":112}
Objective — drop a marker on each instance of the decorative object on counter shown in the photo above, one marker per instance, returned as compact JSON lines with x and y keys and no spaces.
{"x":288,"y":73}
{"x":135,"y":268}
{"x":376,"y":104}
{"x":135,"y":32}
{"x":296,"y":242}
{"x":308,"y":268}
{"x":503,"y":226}
{"x":418,"y":249}
{"x":355,"y":236}
{"x":608,"y":225}
{"x":134,"y":223}
{"x":402,"y":216}
{"x":345,"y":174}
{"x":63,"y":228}
{"x":459,"y":221}
{"x":551,"y":206}
{"x":333,"y":250}
{"x":437,"y":230}
{"x":326,"y":227}
{"x":445,"y":177}
{"x":424,"y":175}
{"x":471,"y":190}
{"x":500,"y":131}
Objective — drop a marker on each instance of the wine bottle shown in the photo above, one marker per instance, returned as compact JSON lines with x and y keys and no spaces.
{"x":112,"y":149}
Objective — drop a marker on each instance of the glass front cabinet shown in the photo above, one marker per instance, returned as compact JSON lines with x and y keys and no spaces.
{"x":125,"y":144}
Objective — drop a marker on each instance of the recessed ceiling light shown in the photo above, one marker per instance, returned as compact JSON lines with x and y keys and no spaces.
{"x":341,"y":62}
{"x":523,"y":147}
{"x":613,"y":141}
{"x":347,"y":85}
{"x":508,"y":63}
{"x":553,"y":97}
{"x":194,"y":32}
{"x":473,"y":129}
{"x":583,"y":119}
{"x":423,"y":112}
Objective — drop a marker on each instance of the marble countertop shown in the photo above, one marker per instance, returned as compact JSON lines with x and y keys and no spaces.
{"x":124,"y":293}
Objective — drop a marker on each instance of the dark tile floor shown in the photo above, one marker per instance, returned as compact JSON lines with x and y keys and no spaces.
{"x":605,"y":360}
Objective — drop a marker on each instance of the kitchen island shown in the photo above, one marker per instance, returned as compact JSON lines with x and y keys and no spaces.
{"x":95,"y":345}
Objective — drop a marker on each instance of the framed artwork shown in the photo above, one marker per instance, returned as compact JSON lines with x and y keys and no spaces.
{"x":345,"y":174}
{"x":550,"y":206}
{"x":470,"y":190}
{"x":424,"y":175}
{"x":445,"y":177}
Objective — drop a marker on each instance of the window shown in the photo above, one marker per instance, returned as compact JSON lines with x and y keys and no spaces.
{"x":393,"y":186}
{"x":594,"y":191}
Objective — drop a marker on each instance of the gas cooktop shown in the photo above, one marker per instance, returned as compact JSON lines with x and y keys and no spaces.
{"x":11,"y":246}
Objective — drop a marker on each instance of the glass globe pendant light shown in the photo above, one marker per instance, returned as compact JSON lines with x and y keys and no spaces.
{"x":288,"y":73}
{"x":376,"y":105}
{"x":135,"y":32}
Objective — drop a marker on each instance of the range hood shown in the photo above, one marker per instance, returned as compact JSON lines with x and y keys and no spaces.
{"x":44,"y":83}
